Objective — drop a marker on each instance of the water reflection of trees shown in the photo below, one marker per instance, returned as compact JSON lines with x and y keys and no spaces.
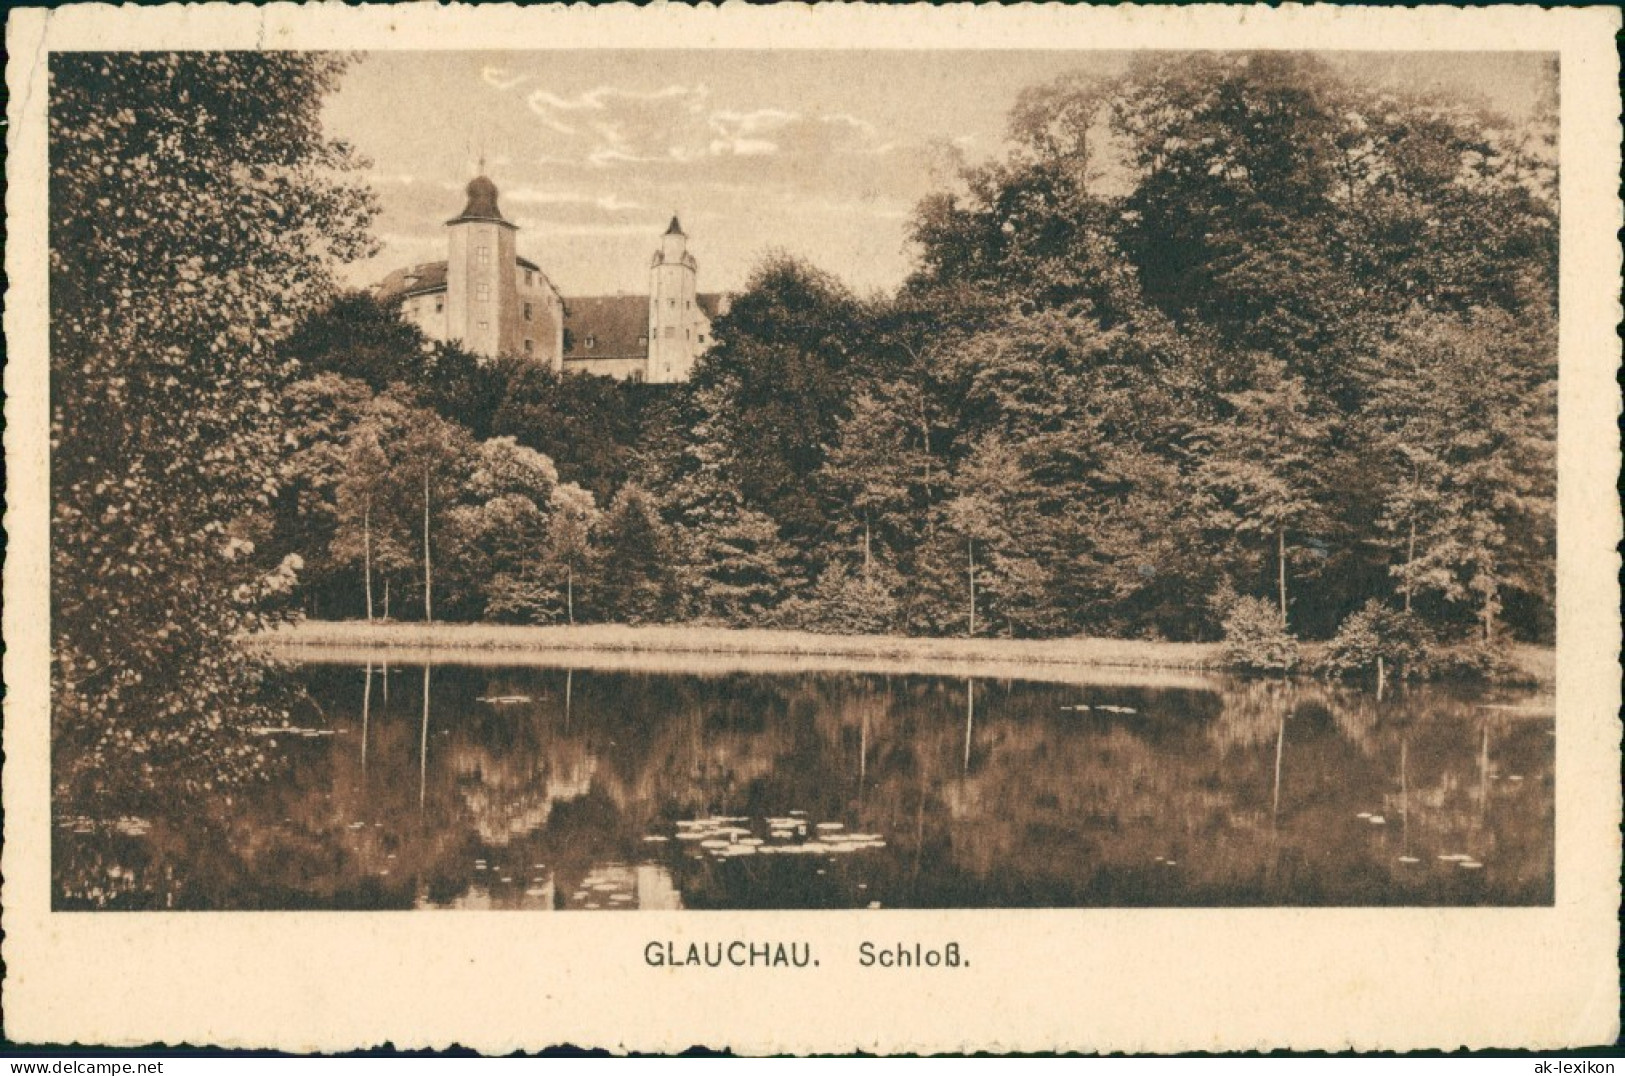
{"x":987,"y":794}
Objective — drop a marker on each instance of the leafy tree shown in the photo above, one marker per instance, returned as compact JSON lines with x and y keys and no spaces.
{"x":1381,"y":640}
{"x":364,"y":534}
{"x":589,"y":426}
{"x":1256,"y":639}
{"x":776,"y":384}
{"x":849,"y":600}
{"x":428,"y":470}
{"x":1263,"y":462}
{"x":1462,"y":415}
{"x":503,"y":468}
{"x":1299,"y":213}
{"x":736,"y":566}
{"x":357,"y":336}
{"x":313,"y":460}
{"x":195,"y":209}
{"x":569,"y":536}
{"x":1006,"y":572}
{"x":876,"y":475}
{"x":636,"y":583}
{"x":500,"y":528}
{"x":1031,"y":228}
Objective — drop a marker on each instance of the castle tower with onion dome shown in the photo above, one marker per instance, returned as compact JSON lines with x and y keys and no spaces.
{"x":480,"y":286}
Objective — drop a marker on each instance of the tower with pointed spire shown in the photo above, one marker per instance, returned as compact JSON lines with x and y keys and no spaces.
{"x":496,"y":302}
{"x":677,"y":325}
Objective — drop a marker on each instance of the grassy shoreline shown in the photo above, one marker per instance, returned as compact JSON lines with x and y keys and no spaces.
{"x":486,"y":643}
{"x":670,"y":638}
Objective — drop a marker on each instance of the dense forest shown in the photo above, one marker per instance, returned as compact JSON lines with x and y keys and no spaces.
{"x":1297,"y":350}
{"x":1232,"y":346}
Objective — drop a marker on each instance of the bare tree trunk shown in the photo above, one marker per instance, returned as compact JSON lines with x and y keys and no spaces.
{"x":970,"y":574}
{"x":863,"y":750}
{"x":570,"y":593}
{"x":423,"y":744}
{"x":1410,"y":546}
{"x":1280,"y":560}
{"x":428,"y":574}
{"x":1410,"y":561}
{"x":925,"y":453}
{"x":366,"y":543}
{"x":386,"y":597}
{"x":970,"y":718}
{"x":1280,"y":747}
{"x":366,"y":714}
{"x":925,"y":445}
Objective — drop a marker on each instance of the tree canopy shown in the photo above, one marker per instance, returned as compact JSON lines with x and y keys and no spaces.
{"x":195,"y":209}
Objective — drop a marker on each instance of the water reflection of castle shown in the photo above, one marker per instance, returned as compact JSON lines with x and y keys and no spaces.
{"x":983,"y":794}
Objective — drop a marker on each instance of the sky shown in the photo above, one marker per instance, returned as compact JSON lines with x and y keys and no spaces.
{"x":820,"y":154}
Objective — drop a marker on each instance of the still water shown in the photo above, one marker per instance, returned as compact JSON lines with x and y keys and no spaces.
{"x":447,"y":786}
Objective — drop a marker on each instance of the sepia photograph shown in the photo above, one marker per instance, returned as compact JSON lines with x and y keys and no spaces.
{"x":545,"y":476}
{"x":619,"y":481}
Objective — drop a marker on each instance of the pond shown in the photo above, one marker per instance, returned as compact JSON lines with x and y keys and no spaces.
{"x":550,"y":788}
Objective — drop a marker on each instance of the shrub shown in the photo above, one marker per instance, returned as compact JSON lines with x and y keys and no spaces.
{"x":1255,"y":639}
{"x":1478,"y":660}
{"x":846,"y":602}
{"x":1375,"y":631}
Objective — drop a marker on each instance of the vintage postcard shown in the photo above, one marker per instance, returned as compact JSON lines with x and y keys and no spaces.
{"x":916,"y":529}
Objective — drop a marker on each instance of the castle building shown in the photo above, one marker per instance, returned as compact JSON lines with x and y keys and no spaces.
{"x":498,"y":303}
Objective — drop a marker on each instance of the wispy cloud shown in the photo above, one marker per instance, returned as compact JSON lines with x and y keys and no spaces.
{"x":730,"y":123}
{"x":502,"y":78}
{"x":611,"y":203}
{"x":612,"y":126}
{"x":743,"y":147}
{"x":554,"y":228}
{"x":850,"y":207}
{"x":552,"y":108}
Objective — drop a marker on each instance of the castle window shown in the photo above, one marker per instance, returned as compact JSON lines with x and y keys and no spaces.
{"x":482,"y":292}
{"x":591,"y":342}
{"x":530,"y":347}
{"x":439,"y":304}
{"x":482,"y":325}
{"x":637,"y":375}
{"x":672,"y":302}
{"x":527,"y":311}
{"x":530,"y":278}
{"x":687,"y":305}
{"x":483,"y":255}
{"x":702,"y":338}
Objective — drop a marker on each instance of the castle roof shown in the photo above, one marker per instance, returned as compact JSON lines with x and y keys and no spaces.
{"x":674,"y":228}
{"x":482,"y":203}
{"x":618,"y":325}
{"x":425,"y":278}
